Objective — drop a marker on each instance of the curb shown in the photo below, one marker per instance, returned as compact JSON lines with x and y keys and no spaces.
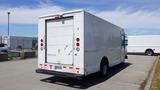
{"x":151,"y":74}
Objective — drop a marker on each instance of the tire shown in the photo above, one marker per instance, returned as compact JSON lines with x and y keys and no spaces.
{"x":103,"y":69}
{"x":149,"y":52}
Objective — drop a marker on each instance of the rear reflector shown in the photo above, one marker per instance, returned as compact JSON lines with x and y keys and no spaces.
{"x":64,"y":66}
{"x":50,"y":66}
{"x":70,"y":67}
{"x":77,"y":68}
{"x":40,"y":65}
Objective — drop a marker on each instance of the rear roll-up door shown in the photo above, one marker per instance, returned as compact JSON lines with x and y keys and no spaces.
{"x":59,"y":34}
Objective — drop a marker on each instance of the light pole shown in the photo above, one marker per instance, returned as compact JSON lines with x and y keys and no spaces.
{"x":8,"y":22}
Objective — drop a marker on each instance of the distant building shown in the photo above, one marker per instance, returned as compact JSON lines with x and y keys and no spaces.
{"x":19,"y":42}
{"x":0,"y":39}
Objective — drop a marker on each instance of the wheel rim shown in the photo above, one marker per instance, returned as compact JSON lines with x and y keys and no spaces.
{"x":149,"y":53}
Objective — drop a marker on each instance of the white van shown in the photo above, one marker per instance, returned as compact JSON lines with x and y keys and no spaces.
{"x":145,"y":44}
{"x":77,"y":43}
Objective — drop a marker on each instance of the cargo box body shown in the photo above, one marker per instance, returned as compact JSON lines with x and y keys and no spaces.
{"x":75,"y":42}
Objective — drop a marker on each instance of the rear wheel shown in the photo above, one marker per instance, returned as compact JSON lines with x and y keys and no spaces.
{"x":149,"y":52}
{"x":104,"y":69}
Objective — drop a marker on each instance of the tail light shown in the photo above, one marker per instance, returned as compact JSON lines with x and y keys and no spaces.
{"x":41,"y":40}
{"x":42,"y":44}
{"x":77,"y":39}
{"x":78,"y":44}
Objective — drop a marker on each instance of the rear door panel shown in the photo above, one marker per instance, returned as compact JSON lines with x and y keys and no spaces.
{"x":60,"y":41}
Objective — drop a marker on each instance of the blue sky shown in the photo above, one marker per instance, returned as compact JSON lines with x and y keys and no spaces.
{"x":136,"y":17}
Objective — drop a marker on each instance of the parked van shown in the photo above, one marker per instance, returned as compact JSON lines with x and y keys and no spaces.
{"x":145,"y":44}
{"x":77,"y":43}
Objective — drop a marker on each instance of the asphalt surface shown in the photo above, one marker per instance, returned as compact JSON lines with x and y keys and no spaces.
{"x":20,"y":75}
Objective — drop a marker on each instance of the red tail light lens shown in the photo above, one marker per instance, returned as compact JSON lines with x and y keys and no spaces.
{"x":41,"y":40}
{"x":77,"y":44}
{"x":77,"y":39}
{"x":41,"y":44}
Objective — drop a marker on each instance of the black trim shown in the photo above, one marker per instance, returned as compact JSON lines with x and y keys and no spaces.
{"x":58,"y":18}
{"x":59,"y":74}
{"x":45,"y":41}
{"x":126,"y":57}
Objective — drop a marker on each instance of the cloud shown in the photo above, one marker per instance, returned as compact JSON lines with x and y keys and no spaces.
{"x":90,"y":2}
{"x":94,"y":2}
{"x":142,"y":31}
{"x":27,"y":15}
{"x":126,"y":18}
{"x":144,"y":1}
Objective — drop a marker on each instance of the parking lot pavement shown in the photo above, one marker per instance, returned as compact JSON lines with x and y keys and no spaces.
{"x":20,"y":75}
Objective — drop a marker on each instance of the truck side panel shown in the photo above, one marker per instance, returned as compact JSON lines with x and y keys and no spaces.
{"x":101,"y":39}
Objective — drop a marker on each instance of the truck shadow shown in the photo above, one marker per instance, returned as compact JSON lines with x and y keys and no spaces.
{"x":88,"y":81}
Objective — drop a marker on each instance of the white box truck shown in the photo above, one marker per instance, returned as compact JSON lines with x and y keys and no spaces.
{"x":77,"y":43}
{"x":146,"y":44}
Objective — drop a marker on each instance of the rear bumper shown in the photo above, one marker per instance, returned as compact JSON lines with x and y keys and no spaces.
{"x":59,"y":74}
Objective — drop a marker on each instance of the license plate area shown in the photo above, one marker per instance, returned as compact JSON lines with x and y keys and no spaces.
{"x":58,"y":67}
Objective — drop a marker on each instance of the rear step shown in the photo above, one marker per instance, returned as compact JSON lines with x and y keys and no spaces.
{"x":59,"y":74}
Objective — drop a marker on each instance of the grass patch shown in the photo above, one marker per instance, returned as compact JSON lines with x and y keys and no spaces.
{"x":156,"y":79}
